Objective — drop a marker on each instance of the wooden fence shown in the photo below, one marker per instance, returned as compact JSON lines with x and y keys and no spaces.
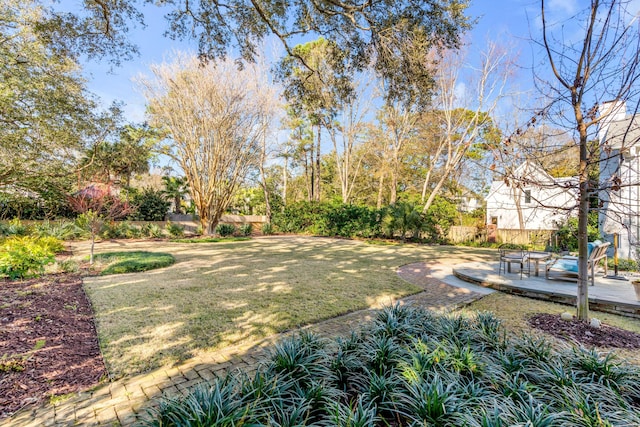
{"x":191,"y":223}
{"x":459,"y":234}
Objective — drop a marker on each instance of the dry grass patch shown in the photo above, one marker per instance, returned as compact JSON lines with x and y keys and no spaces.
{"x":221,"y":294}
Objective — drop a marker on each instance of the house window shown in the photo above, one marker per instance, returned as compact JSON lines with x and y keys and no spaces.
{"x":527,"y":196}
{"x":494,"y":220}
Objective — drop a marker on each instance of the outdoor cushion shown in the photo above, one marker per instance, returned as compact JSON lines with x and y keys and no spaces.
{"x":592,"y":245}
{"x":567,"y":264}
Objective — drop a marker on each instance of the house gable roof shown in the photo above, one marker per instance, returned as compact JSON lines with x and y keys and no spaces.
{"x":529,"y":174}
{"x":624,"y":134}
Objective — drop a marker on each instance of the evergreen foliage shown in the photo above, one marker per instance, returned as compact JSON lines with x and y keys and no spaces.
{"x":150,"y":205}
{"x":400,"y":220}
{"x":411,"y":367}
{"x":567,"y":233}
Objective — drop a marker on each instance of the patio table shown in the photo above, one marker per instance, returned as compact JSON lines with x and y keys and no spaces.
{"x":536,"y":257}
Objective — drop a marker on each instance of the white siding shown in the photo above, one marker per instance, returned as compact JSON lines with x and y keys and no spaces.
{"x":550,"y":202}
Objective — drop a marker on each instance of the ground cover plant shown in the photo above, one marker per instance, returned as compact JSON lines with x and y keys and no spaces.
{"x":236,"y":293}
{"x":411,"y":367}
{"x":132,"y":261}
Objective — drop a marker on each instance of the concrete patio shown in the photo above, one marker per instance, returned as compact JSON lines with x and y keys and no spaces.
{"x":608,"y":295}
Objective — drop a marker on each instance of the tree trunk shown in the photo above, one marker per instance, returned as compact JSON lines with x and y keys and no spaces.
{"x":393,"y":196}
{"x":425,"y":186}
{"x":517,"y":200}
{"x":380,"y":190}
{"x":93,"y":242}
{"x":213,"y":222}
{"x":582,"y":300}
{"x":285,"y":179}
{"x":267,"y":204}
{"x":433,"y":194}
{"x":317,"y":169}
{"x":204,"y":224}
{"x":263,"y":159}
{"x":310,"y":168}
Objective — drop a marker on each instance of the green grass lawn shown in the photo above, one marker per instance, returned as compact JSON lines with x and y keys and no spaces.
{"x":220,"y":294}
{"x":132,"y":261}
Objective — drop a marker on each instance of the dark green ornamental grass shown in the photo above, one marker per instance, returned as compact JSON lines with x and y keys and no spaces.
{"x":411,"y":367}
{"x":133,"y":261}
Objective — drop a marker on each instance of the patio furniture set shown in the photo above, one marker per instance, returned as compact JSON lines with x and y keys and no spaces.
{"x":564,"y":267}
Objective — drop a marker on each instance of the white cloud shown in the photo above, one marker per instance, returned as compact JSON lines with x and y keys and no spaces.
{"x":566,"y":7}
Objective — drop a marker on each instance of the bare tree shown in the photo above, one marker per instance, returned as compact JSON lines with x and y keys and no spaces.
{"x":594,"y":56}
{"x":465,"y":105}
{"x":346,"y":135}
{"x":216,"y":116}
{"x":396,"y":127}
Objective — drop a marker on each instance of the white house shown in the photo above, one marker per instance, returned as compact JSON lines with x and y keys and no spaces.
{"x":531,"y":200}
{"x":619,"y":135}
{"x":468,"y":201}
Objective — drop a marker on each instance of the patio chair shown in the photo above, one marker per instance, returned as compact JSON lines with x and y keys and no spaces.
{"x":513,"y":256}
{"x":566,"y":267}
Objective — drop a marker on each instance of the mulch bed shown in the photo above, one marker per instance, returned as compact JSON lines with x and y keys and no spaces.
{"x":580,"y":332}
{"x":48,"y":341}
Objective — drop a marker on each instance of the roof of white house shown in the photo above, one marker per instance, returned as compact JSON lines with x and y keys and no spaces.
{"x":530,"y":174}
{"x":623,"y":134}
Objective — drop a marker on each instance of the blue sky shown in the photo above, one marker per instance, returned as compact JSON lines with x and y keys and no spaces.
{"x":504,"y":21}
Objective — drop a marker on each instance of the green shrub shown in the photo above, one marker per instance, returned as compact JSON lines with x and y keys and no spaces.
{"x":121,"y":230}
{"x":353,"y":221}
{"x":52,"y":244}
{"x":152,"y":230}
{"x":624,"y":264}
{"x":438,"y":220}
{"x":566,"y":237}
{"x":303,"y":217}
{"x":329,"y":219}
{"x":402,"y":218}
{"x":267,"y":229}
{"x":112,"y":230}
{"x":246,"y":229}
{"x":151,"y":205}
{"x":13,"y":228}
{"x":63,"y":230}
{"x":22,"y":257}
{"x":174,"y":230}
{"x":48,"y":204}
{"x":225,"y":230}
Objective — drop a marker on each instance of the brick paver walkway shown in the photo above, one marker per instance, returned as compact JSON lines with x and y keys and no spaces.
{"x":125,"y":401}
